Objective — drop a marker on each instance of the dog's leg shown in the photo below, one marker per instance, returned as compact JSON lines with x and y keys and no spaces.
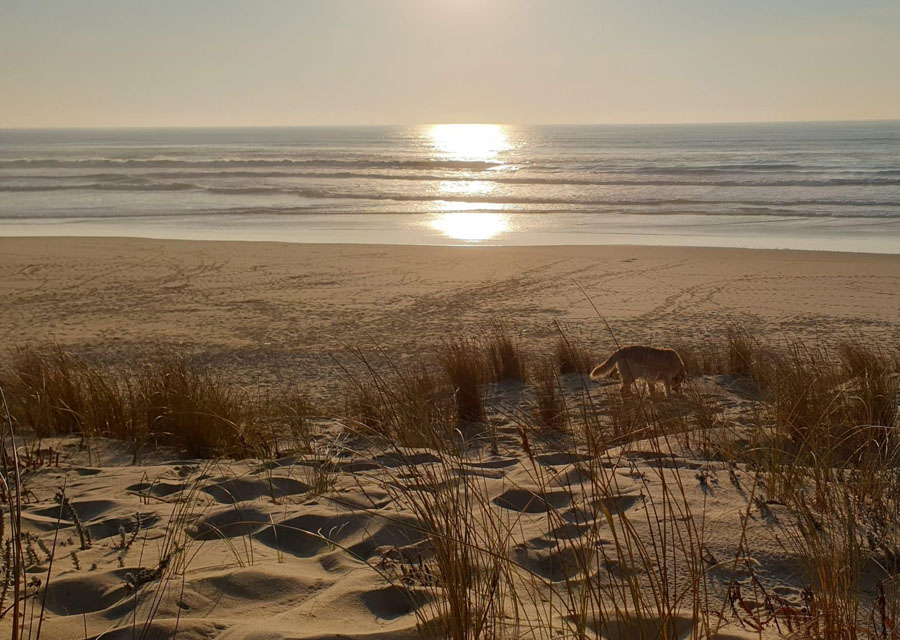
{"x":627,"y":381}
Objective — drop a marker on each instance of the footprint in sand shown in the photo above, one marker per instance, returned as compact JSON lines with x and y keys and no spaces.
{"x":82,"y":594}
{"x":228,"y":523}
{"x":554,"y":564}
{"x":237,"y":490}
{"x":526,"y":501}
{"x":156,"y":489}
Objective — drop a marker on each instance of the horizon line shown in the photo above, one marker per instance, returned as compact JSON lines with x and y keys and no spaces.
{"x":427,"y":124}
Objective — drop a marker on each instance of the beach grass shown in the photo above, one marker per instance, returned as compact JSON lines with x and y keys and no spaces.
{"x":629,"y":545}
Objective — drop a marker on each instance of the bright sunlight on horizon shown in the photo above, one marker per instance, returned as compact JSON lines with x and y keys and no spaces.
{"x":103,"y":63}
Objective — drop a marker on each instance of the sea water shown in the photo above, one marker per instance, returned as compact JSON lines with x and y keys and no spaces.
{"x":829,"y":186}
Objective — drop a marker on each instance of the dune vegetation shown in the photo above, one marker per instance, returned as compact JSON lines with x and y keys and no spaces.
{"x":490,"y":491}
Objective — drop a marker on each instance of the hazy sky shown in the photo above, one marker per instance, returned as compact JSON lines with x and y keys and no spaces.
{"x":261,"y":62}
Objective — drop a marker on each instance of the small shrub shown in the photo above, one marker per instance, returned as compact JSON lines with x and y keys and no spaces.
{"x":861,"y":360}
{"x":363,"y":404}
{"x":572,"y":357}
{"x":550,"y":406}
{"x":190,"y":406}
{"x":628,"y":417}
{"x":411,"y":408}
{"x":424,"y":413}
{"x":297,"y":409}
{"x":504,"y":354}
{"x":873,"y":386}
{"x":741,"y":351}
{"x":800,"y":388}
{"x":290,"y":414}
{"x":700,"y":360}
{"x":465,"y":370}
{"x":55,"y":392}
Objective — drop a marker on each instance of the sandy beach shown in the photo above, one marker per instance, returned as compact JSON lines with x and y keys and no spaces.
{"x":531,"y":528}
{"x":257,"y":308}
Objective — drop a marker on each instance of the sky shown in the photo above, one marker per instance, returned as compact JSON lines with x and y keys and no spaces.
{"x":96,"y":63}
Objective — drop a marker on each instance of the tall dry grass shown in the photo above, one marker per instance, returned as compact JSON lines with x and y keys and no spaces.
{"x":617,"y":571}
{"x":196,"y":409}
{"x":826,"y":449}
{"x":573,"y":357}
{"x":164,"y":399}
{"x":625,"y":564}
{"x":467,"y":572}
{"x":291,"y":417}
{"x":873,"y":384}
{"x":55,"y":392}
{"x":550,"y":407}
{"x":411,"y":407}
{"x":816,"y":407}
{"x":742,"y":349}
{"x":504,"y":353}
{"x":464,"y":367}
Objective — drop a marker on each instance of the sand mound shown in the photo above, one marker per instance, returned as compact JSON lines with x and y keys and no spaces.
{"x":390,"y":603}
{"x":560,"y":458}
{"x":85,"y":509}
{"x":248,"y":587}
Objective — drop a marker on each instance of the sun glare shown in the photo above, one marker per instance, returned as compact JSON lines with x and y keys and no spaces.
{"x":465,"y":187}
{"x":471,"y":227}
{"x":470,"y":141}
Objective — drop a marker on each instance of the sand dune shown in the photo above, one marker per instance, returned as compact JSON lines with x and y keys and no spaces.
{"x":245,"y":550}
{"x":264,"y":558}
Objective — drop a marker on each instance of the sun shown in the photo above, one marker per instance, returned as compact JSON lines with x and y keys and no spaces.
{"x":469,"y":141}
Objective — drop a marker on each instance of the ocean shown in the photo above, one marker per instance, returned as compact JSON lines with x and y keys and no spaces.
{"x":829,"y":186}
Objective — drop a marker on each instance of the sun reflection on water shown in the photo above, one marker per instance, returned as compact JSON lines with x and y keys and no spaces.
{"x":466,"y":187}
{"x":470,"y":141}
{"x":471,"y":226}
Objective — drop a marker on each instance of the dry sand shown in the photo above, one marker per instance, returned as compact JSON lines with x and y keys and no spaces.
{"x":271,"y":310}
{"x":252,"y":563}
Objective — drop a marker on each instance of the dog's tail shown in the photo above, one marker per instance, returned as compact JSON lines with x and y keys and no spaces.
{"x":603,"y":370}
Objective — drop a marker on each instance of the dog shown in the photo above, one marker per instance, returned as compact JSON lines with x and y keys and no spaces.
{"x":644,"y":362}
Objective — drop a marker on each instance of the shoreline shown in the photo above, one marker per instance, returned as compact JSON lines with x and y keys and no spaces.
{"x":489,"y":228}
{"x":461,"y":246}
